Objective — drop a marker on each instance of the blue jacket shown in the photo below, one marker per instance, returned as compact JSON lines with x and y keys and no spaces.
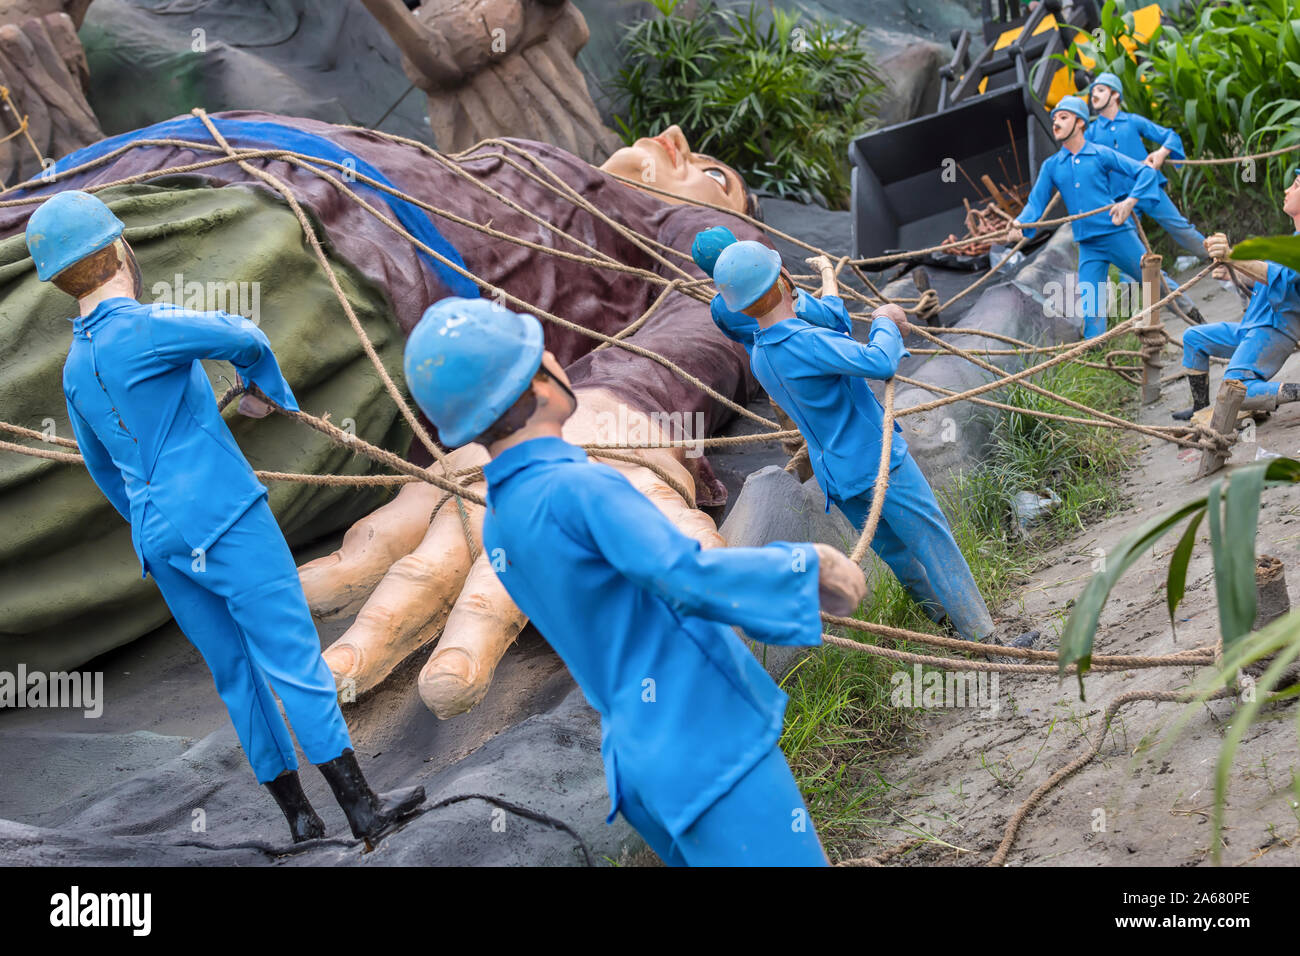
{"x":828,"y":312}
{"x":819,"y":378}
{"x":640,"y":614}
{"x":146,"y":420}
{"x":1085,"y":182}
{"x":1275,"y":303}
{"x":1128,"y":133}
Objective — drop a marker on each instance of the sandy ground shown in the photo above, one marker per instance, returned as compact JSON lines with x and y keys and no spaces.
{"x":971,"y":769}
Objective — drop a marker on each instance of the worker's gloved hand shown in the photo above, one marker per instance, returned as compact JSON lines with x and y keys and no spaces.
{"x":820,"y":264}
{"x":1217,"y":246}
{"x":1014,"y":232}
{"x":253,"y":403}
{"x":896,"y":315}
{"x":1121,"y":210}
{"x":841,"y":584}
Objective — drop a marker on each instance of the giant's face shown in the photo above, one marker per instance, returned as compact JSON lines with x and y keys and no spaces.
{"x":666,"y":162}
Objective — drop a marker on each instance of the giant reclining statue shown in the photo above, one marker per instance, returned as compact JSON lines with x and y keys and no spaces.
{"x":70,"y":584}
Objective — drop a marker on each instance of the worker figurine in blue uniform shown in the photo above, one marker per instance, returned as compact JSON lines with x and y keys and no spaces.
{"x":1129,"y":133}
{"x":637,"y":610}
{"x":154,"y":442}
{"x":1256,"y":346}
{"x":820,"y":378}
{"x":1087,"y":174}
{"x":827,"y":310}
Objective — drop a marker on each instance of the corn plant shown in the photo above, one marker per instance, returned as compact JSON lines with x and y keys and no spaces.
{"x":776,"y":98}
{"x":1224,"y":75}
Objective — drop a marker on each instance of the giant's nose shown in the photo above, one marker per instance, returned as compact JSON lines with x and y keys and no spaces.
{"x":675,"y":136}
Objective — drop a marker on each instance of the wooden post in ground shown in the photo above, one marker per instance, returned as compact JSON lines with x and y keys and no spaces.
{"x":1223,"y":422}
{"x":1150,"y":330}
{"x":1272,"y":601}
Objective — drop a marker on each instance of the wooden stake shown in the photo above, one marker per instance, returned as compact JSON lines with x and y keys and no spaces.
{"x":1014,"y":152}
{"x":1150,"y":330}
{"x":996,"y":193}
{"x":1224,"y":422}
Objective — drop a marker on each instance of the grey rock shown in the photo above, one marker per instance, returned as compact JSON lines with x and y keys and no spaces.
{"x":827,"y":229}
{"x":774,"y":506}
{"x":951,"y":438}
{"x":912,"y":81}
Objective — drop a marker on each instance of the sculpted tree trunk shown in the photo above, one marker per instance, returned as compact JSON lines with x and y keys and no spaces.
{"x":499,"y":68}
{"x":17,"y":11}
{"x":44,"y":69}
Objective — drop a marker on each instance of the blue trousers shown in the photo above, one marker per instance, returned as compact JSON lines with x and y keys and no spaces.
{"x":914,"y":539}
{"x":1255,"y":355}
{"x":1166,"y":214}
{"x":761,"y":821}
{"x":1121,"y":248}
{"x":241,"y":604}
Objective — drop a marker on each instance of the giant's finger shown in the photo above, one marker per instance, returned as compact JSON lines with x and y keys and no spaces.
{"x":337,"y":584}
{"x":482,"y":625}
{"x":409,"y":605}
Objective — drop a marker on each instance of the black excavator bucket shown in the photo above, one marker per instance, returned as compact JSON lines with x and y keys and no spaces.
{"x":912,"y":181}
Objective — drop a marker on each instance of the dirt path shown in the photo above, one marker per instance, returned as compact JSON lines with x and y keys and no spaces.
{"x":973,"y":766}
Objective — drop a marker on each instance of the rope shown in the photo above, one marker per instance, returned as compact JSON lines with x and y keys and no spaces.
{"x":686,"y":285}
{"x":683,"y":283}
{"x":882,"y":478}
{"x":1233,"y":159}
{"x":22,"y":126}
{"x":1074,"y":766}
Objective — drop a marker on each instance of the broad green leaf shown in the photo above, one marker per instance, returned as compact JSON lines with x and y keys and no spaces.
{"x":1176,"y":582}
{"x":1080,"y":628}
{"x":1234,"y":552}
{"x":1284,"y":250}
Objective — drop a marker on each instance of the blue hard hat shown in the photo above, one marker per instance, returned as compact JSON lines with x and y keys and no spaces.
{"x":1110,"y":80}
{"x":708,"y":245}
{"x":1073,"y":104}
{"x":68,"y":227}
{"x":744,"y":272}
{"x":468,"y":361}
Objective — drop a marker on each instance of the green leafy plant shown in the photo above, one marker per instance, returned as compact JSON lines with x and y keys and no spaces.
{"x":1232,"y":508}
{"x":1284,"y":250}
{"x":1224,"y":75}
{"x":777,"y":99}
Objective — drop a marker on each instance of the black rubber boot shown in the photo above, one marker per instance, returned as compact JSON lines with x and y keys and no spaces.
{"x":1026,"y":641}
{"x":1199,"y":383}
{"x":1289,"y":392}
{"x":304,"y":824}
{"x":1192,"y":312}
{"x":369,"y":814}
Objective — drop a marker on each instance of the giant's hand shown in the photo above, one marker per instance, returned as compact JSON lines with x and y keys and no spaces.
{"x":410,"y":574}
